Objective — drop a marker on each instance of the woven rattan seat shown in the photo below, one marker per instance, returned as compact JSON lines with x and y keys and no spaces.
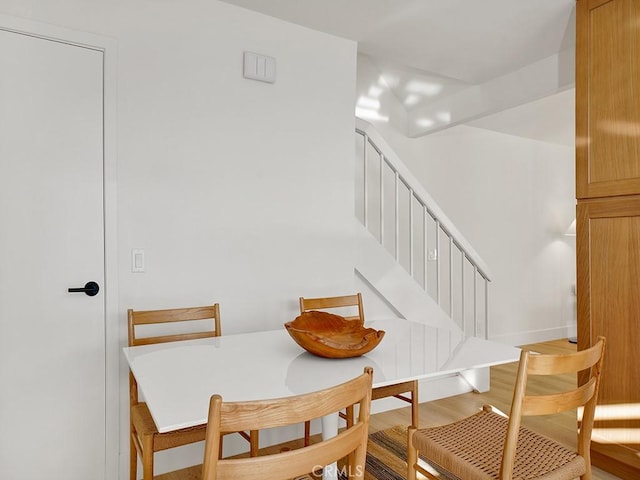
{"x":472,"y":449}
{"x":489,"y":445}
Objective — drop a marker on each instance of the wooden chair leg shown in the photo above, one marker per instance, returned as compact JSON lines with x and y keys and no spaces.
{"x":357,"y":460}
{"x":415,"y":420}
{"x":147,"y":457}
{"x":307,"y":433}
{"x":133,"y":454}
{"x":254,"y":442}
{"x":349,"y":418}
{"x":412,"y":455}
{"x":413,"y":466}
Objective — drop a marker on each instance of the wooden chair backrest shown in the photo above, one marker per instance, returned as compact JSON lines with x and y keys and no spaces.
{"x":324,"y":303}
{"x":526,"y":404}
{"x":150,"y":317}
{"x":261,"y":414}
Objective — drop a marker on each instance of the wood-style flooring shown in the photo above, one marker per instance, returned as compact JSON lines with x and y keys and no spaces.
{"x":559,"y":427}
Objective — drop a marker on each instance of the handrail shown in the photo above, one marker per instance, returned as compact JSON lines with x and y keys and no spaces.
{"x":404,"y":179}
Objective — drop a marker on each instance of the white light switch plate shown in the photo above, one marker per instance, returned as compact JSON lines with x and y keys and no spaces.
{"x":259,"y":67}
{"x":137,"y":260}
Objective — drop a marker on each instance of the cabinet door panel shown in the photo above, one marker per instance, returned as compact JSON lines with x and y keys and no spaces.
{"x":608,"y":98}
{"x":609,"y":304}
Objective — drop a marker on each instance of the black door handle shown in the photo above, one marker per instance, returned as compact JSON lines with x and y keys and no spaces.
{"x":90,"y":288}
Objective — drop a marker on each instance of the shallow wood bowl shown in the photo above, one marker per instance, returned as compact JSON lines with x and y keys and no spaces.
{"x":332,"y":336}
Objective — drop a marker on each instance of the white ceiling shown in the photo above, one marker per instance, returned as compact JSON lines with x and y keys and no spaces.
{"x":454,"y":43}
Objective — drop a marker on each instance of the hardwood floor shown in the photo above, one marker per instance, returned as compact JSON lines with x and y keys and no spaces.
{"x":559,"y":427}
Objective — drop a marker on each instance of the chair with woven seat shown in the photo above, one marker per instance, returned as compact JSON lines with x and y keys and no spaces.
{"x":350,"y":443}
{"x":399,"y":391}
{"x":489,"y":445}
{"x":145,"y":439}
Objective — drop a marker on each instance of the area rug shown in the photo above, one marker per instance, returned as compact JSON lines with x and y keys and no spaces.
{"x":386,"y":456}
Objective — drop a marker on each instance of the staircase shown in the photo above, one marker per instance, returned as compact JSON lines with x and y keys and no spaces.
{"x":401,"y":219}
{"x":412,"y":256}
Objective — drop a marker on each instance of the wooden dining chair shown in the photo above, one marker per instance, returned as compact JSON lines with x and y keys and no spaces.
{"x":350,"y":443}
{"x":483,"y":446}
{"x":401,"y":390}
{"x":145,"y":439}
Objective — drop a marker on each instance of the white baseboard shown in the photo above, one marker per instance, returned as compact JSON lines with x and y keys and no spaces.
{"x":535,"y":336}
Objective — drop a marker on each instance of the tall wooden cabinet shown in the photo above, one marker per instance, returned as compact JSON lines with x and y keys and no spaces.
{"x":608,"y":219}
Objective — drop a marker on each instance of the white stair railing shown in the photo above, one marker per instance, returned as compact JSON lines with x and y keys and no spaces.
{"x":400,"y":214}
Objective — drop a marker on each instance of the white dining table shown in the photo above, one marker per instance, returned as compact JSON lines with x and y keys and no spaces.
{"x":178,"y":378}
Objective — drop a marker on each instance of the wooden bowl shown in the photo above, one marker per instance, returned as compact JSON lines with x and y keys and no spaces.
{"x":332,"y":336}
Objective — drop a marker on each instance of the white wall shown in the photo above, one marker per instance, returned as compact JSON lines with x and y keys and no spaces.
{"x":240,"y":192}
{"x":254,"y":180}
{"x":512,"y":198}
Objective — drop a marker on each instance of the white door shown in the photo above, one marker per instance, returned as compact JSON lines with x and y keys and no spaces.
{"x":52,"y":342}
